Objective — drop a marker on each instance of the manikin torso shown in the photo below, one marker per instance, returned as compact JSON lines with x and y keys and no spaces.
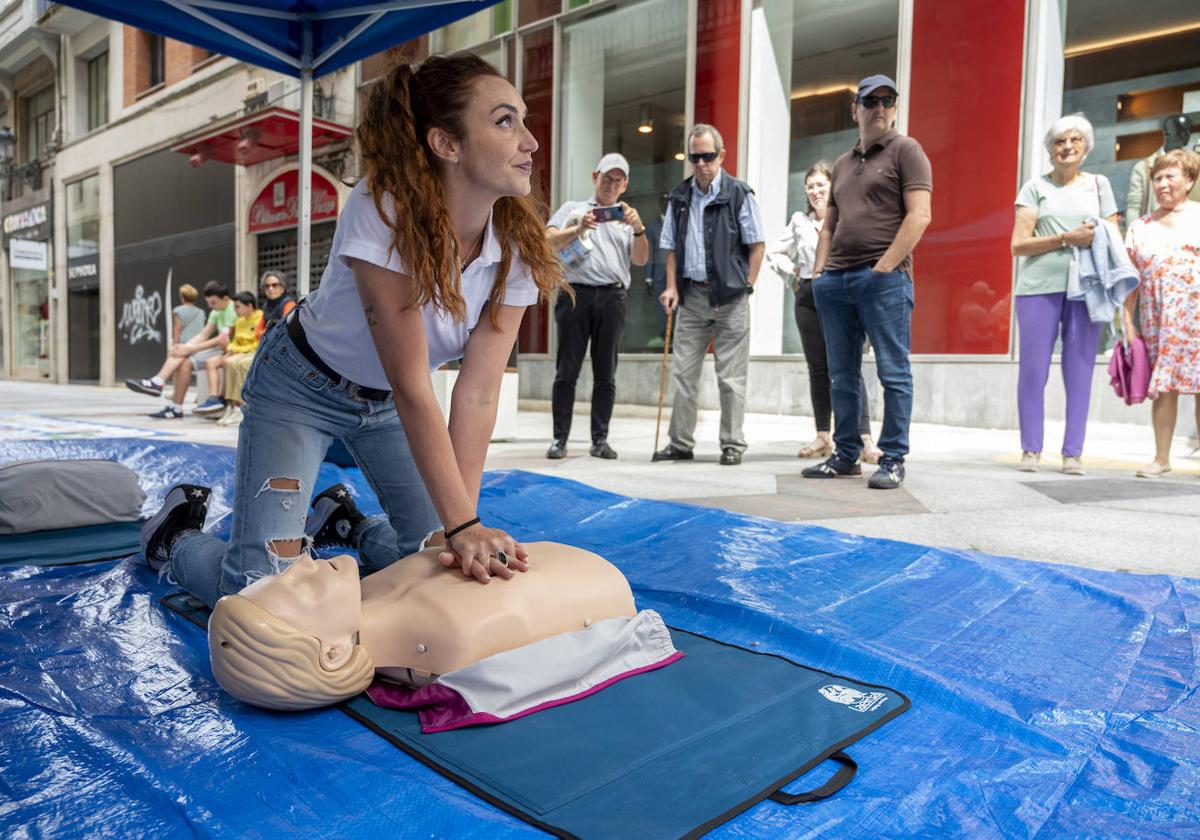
{"x":416,"y":618}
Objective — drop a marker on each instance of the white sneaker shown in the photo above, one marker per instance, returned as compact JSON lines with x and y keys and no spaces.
{"x":1029,"y":461}
{"x":1153,"y":470}
{"x":1072,"y":465}
{"x":234,"y":418}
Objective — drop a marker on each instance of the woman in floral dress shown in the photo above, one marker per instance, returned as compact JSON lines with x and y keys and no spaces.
{"x":1165,"y":247}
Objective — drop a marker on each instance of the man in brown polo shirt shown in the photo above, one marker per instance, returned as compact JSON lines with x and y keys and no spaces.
{"x":878,"y":209}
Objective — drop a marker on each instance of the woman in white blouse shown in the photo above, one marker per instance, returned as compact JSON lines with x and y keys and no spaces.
{"x":437,"y":253}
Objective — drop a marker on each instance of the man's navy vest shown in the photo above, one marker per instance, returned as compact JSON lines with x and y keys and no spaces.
{"x":726,"y":256}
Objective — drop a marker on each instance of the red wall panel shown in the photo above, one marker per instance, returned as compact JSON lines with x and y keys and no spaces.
{"x":538,"y":93}
{"x":718,"y":64}
{"x":965,"y":109}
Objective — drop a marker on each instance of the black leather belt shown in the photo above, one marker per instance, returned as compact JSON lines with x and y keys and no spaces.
{"x":356,"y":391}
{"x":692,"y":282}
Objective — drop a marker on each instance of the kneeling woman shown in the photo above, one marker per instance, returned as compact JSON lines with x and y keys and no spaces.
{"x":437,"y":252}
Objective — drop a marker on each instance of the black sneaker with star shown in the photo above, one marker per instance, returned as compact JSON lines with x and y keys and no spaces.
{"x":184,"y":509}
{"x":334,"y":517}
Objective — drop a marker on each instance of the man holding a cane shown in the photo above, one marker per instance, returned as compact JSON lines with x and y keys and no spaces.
{"x":714,"y":244}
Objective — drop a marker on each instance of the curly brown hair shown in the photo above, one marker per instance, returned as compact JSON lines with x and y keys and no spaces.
{"x":398,"y":163}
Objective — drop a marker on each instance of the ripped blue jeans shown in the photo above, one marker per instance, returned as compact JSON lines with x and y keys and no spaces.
{"x":292,"y":413}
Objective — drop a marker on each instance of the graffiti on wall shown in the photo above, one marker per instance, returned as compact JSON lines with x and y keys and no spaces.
{"x":139,"y":317}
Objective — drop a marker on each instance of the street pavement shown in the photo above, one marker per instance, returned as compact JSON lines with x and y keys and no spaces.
{"x":962,"y":491}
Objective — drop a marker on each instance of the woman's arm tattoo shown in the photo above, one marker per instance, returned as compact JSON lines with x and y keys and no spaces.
{"x":369,"y":311}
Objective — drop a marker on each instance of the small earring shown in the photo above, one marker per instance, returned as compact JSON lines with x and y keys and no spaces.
{"x":456,"y":158}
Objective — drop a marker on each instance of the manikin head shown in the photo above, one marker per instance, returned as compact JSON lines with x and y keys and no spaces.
{"x":1177,"y":130}
{"x":289,"y":641}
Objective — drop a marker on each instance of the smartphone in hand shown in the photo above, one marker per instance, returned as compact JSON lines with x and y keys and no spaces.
{"x":612,"y":213}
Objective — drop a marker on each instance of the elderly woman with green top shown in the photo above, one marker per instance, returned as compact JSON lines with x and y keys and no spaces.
{"x":1055,"y":214}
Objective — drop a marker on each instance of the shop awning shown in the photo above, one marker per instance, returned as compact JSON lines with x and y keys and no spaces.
{"x":253,"y":138}
{"x":303,"y":38}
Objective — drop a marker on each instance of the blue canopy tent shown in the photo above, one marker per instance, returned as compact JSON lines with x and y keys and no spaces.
{"x":302,"y":38}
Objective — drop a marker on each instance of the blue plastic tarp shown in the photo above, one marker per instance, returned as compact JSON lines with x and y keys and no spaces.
{"x":1047,"y":700}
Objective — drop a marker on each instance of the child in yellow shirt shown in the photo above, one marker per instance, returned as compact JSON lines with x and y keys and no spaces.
{"x":239,"y":353}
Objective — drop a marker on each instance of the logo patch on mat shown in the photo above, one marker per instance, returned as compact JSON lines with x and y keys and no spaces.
{"x":859,"y":701}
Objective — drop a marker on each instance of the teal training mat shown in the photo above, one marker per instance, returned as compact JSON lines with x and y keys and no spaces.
{"x":67,"y":546}
{"x":670,"y":753}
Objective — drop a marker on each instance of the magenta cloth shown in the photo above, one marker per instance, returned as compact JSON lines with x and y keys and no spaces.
{"x":1129,"y":371}
{"x":441,"y":708}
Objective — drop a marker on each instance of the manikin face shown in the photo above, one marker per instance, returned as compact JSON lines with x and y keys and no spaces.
{"x":1171,"y":186}
{"x":497,"y":148}
{"x":817,"y":190}
{"x":319,"y":597}
{"x":610,"y":186}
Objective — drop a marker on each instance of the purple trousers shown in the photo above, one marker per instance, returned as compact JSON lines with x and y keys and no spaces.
{"x":1039,"y":318}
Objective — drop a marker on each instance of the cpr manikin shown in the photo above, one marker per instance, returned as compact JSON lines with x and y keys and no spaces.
{"x":315,"y":634}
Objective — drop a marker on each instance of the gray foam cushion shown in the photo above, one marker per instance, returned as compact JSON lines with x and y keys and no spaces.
{"x":48,"y":495}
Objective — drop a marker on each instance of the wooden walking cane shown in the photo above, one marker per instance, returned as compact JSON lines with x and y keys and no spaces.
{"x":662,"y":386}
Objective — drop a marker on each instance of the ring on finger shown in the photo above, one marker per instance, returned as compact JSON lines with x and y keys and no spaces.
{"x":500,"y":557}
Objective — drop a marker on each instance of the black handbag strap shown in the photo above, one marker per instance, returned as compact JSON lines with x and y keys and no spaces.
{"x":840,"y":779}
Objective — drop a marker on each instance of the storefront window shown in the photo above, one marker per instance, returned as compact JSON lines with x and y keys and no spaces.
{"x":531,"y":11}
{"x":83,"y":217}
{"x":477,"y":28}
{"x":623,"y":90}
{"x":1126,"y":77}
{"x":821,"y":52}
{"x":31,"y":322}
{"x":83,"y":280}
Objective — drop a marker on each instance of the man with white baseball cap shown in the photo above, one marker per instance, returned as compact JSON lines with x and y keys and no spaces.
{"x":597,"y":239}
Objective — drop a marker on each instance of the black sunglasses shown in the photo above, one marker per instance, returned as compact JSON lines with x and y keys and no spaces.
{"x":872,"y":101}
{"x":707,"y":157}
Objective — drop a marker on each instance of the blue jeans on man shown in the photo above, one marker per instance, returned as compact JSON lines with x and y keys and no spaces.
{"x":856,"y":303}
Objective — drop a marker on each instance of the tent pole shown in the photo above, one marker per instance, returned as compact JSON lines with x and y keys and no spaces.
{"x":304,"y":229}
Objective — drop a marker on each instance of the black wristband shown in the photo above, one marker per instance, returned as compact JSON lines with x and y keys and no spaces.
{"x":462,"y":527}
{"x":641,"y":232}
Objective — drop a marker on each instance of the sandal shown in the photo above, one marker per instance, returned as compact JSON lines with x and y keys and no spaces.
{"x":870,"y":452}
{"x":818,"y":448}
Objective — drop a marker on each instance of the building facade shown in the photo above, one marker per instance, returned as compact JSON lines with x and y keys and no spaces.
{"x":980,"y":85}
{"x":159,"y":164}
